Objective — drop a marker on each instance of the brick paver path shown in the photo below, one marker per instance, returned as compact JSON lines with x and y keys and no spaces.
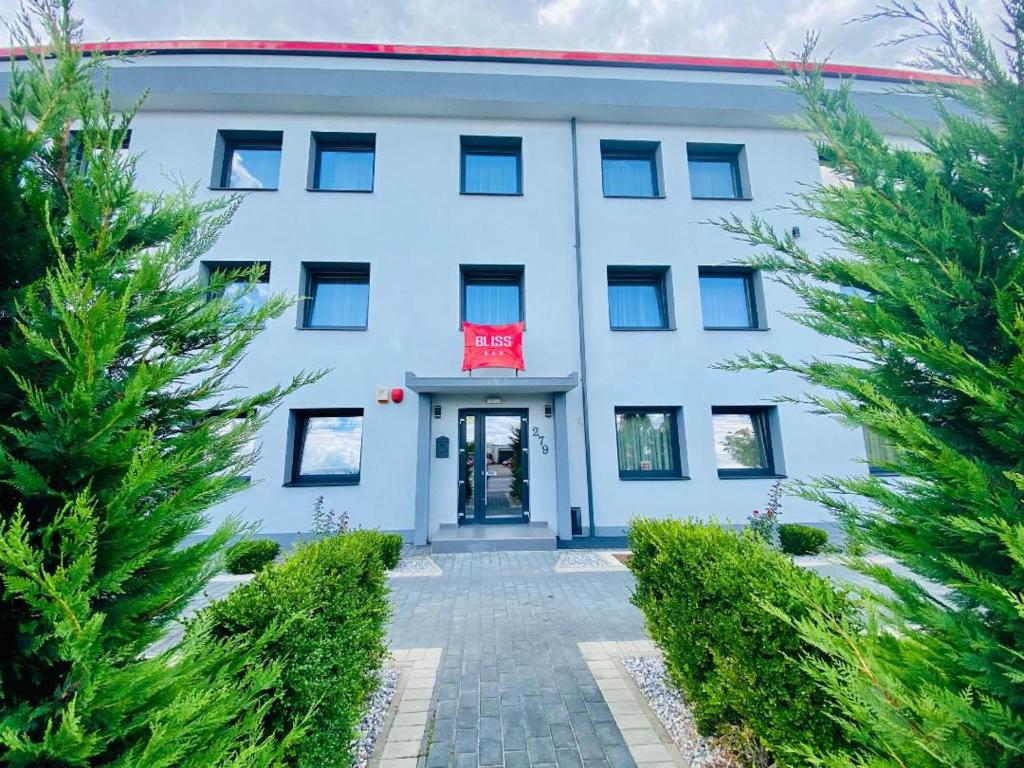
{"x":513,"y":688}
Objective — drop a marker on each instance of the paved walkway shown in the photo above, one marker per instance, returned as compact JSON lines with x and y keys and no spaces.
{"x":513,"y":688}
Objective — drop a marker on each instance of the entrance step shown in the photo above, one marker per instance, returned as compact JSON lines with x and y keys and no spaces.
{"x":450,"y":539}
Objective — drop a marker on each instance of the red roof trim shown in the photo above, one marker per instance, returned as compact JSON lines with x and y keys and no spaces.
{"x":520,"y":55}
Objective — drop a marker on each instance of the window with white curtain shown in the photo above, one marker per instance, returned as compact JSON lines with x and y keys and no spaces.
{"x":716,"y":171}
{"x":881,"y":454}
{"x":630,"y":168}
{"x":638,"y":298}
{"x":249,"y":159}
{"x":647,"y":440}
{"x":727,"y":299}
{"x":492,"y":165}
{"x":343,"y":162}
{"x":492,"y":295}
{"x":337,"y":296}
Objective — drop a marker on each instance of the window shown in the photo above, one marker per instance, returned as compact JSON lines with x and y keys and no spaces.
{"x":630,"y":168}
{"x":638,"y":298}
{"x":338,"y":296}
{"x":716,"y":171}
{"x":743,"y":446}
{"x":728,"y":299}
{"x":880,"y":453}
{"x":342,"y":162}
{"x":76,"y":146}
{"x":648,"y":443}
{"x":248,"y":449}
{"x":248,"y":159}
{"x":492,"y":295}
{"x":492,"y":165}
{"x":328,"y":447}
{"x":246,"y":295}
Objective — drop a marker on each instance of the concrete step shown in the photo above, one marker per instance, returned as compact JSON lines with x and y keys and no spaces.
{"x":449,"y":539}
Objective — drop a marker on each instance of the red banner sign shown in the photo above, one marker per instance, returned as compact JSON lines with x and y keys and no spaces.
{"x":493,"y":346}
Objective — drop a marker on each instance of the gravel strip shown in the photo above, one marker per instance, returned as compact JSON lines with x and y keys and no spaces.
{"x":418,"y":565}
{"x":587,"y":561}
{"x":373,"y":723}
{"x":648,"y":672}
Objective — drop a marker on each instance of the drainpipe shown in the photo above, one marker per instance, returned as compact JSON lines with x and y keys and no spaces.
{"x":582,"y":333}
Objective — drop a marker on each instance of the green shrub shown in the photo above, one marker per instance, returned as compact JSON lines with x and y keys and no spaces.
{"x":802,"y":539}
{"x":391,"y":548}
{"x":708,"y":597}
{"x":331,"y":595}
{"x":249,"y":555}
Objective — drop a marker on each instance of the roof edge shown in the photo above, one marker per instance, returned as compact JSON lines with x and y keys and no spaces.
{"x":508,"y":55}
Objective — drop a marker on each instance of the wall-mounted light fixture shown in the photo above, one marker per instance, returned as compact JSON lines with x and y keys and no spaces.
{"x":547,"y":410}
{"x":437,"y":411}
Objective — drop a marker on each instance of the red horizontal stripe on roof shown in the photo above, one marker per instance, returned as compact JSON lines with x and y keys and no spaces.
{"x":521,"y":55}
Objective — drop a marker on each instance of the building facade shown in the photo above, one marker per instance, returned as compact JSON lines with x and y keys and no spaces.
{"x":402,"y":191}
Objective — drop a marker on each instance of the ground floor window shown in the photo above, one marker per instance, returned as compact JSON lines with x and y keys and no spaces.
{"x":743,"y":445}
{"x":648,"y":442}
{"x":880,"y":453}
{"x":328,"y":447}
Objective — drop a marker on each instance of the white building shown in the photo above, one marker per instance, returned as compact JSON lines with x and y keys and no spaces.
{"x":408,"y":189}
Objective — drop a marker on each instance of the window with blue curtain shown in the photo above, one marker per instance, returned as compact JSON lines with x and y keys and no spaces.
{"x":648,"y":442}
{"x":492,"y":298}
{"x":338,"y":299}
{"x":491,"y":165}
{"x":629,"y":169}
{"x":715,"y":171}
{"x":727,"y":300}
{"x":637,"y":300}
{"x":253,"y":166}
{"x":344,"y":169}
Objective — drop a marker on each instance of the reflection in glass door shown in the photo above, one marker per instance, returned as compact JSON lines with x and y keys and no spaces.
{"x":493,"y":469}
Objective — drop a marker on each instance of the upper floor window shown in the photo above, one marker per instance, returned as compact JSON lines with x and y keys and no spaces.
{"x":648,"y":443}
{"x":743,"y":444}
{"x":492,"y":165}
{"x":76,"y":146}
{"x":880,"y":453}
{"x":717,"y":171}
{"x":246,"y":295}
{"x":728,"y":299}
{"x":328,"y":446}
{"x":630,"y":168}
{"x":638,"y":298}
{"x":343,"y":162}
{"x":248,"y":159}
{"x":337,"y":296}
{"x":492,"y":295}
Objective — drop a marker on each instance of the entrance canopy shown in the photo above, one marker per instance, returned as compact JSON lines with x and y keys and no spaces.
{"x":498,"y":385}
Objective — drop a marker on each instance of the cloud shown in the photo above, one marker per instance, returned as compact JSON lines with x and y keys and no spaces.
{"x":698,"y":27}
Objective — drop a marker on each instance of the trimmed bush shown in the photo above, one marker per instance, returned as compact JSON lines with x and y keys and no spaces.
{"x":249,"y":555}
{"x":708,"y":596}
{"x":331,"y":599}
{"x":802,"y":539}
{"x":391,"y":548}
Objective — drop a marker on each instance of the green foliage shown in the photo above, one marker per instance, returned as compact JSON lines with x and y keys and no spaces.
{"x":802,"y":539}
{"x":933,"y":363}
{"x":330,"y":600}
{"x":117,"y":436}
{"x":249,"y":555}
{"x":720,"y":605}
{"x":391,"y":548}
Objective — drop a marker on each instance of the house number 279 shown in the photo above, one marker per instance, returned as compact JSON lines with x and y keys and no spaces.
{"x":540,"y":438}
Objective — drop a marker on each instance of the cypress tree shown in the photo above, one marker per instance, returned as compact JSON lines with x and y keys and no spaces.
{"x":929,"y":239}
{"x":119,"y":429}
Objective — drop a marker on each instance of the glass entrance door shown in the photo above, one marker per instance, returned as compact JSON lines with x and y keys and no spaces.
{"x":494,"y":483}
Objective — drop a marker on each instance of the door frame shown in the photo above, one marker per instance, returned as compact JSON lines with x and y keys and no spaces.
{"x":477,"y":516}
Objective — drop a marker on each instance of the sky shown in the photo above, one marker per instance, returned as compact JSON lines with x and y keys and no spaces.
{"x":740,"y":28}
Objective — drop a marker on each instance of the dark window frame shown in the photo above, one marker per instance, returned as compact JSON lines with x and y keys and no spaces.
{"x":677,"y":473}
{"x":492,"y":273}
{"x":719,"y":153}
{"x":623,"y":275}
{"x":76,"y":148}
{"x":299,"y":418}
{"x":312,"y":271}
{"x":650,"y":151}
{"x":212,"y":267}
{"x":230,"y":141}
{"x":218,"y":412}
{"x":491,"y":146}
{"x":760,"y":418}
{"x":322,"y":141}
{"x":753,"y":310}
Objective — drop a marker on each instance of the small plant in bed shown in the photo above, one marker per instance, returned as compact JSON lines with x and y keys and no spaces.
{"x":802,"y":539}
{"x":250,"y":555}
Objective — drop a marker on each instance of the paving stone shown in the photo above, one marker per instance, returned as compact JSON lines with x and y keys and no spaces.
{"x":490,"y":728}
{"x":541,"y":750}
{"x":491,"y":752}
{"x":562,"y":736}
{"x":568,"y":758}
{"x":518,"y":759}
